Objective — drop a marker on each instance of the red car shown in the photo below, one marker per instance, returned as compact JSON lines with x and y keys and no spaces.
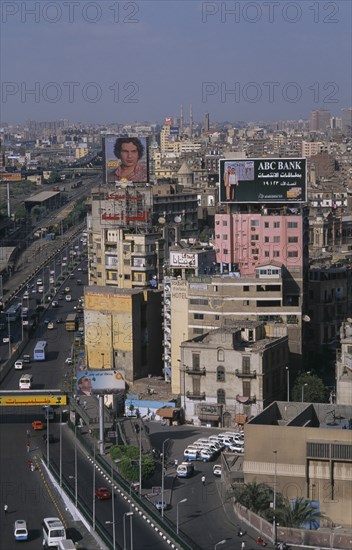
{"x":37,"y":425}
{"x":102,"y":493}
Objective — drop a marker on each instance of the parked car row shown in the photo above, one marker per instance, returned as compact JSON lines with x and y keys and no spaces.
{"x":207,"y":449}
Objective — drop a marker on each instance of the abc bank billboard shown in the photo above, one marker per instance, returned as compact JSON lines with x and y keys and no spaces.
{"x":263,"y":180}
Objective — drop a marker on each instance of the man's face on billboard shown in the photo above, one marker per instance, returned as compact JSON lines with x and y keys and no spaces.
{"x":129,"y":154}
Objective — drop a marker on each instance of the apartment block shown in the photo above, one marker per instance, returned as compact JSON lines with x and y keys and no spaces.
{"x":231,"y":371}
{"x":344,"y":365}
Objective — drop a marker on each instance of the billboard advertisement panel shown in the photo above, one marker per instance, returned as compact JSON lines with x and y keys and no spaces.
{"x":263,"y":180}
{"x":99,"y":381}
{"x":32,"y":399}
{"x":126,"y":159}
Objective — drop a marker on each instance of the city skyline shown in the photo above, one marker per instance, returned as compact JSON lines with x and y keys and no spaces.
{"x":234,"y":60}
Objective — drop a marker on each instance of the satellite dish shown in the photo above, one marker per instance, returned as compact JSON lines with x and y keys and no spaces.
{"x":177,"y":219}
{"x":161,"y":220}
{"x":306,"y":318}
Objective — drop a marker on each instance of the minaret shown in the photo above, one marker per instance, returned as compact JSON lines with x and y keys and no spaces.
{"x":190,"y":120}
{"x":181,"y":120}
{"x":206,"y":123}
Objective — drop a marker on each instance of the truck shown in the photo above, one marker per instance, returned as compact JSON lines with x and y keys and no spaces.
{"x":71,"y":323}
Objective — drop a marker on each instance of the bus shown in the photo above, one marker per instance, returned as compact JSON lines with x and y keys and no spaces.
{"x":13,"y":313}
{"x":71,"y":322}
{"x":53,"y":532}
{"x":39,"y":350}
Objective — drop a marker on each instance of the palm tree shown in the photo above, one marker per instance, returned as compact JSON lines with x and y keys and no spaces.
{"x":254,"y":496}
{"x":297,"y":513}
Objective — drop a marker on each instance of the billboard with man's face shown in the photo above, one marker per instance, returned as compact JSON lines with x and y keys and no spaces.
{"x":100,"y":381}
{"x":263,"y":180}
{"x":126,"y":159}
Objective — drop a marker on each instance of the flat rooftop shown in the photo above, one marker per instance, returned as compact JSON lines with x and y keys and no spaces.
{"x":306,"y":415}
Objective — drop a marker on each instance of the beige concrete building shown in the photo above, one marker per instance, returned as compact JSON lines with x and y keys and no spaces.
{"x":304,"y":451}
{"x":344,"y":366}
{"x":122,"y":249}
{"x":231,"y":371}
{"x":123,"y":330}
{"x":200,"y":304}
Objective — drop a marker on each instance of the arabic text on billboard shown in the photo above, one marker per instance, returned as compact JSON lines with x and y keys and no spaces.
{"x":29,"y":399}
{"x":100,"y":381}
{"x":126,"y":160}
{"x":263,"y":180}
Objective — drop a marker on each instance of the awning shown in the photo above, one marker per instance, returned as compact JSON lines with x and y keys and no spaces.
{"x":167,"y":412}
{"x":243,"y":399}
{"x":209,"y":417}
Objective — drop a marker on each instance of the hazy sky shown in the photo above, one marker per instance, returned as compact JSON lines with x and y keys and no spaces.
{"x":110,"y":61}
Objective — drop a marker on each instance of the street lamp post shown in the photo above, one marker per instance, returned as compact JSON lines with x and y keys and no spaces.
{"x":76,"y":480}
{"x":162,"y":476}
{"x":93,"y":494}
{"x":47,"y":438}
{"x":218,"y":543}
{"x":124,"y":529}
{"x":303,"y":386}
{"x":181,"y":502}
{"x":140,"y":457}
{"x":288,"y":383}
{"x":113,"y":508}
{"x":274,"y":498}
{"x":60,"y":450}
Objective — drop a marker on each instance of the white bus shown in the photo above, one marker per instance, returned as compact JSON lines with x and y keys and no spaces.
{"x":39,"y":350}
{"x":25,"y":382}
{"x":53,"y":532}
{"x":13,"y":313}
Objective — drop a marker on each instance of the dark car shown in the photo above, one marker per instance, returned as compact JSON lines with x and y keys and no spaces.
{"x":59,"y":320}
{"x":51,"y":438}
{"x":102,"y":493}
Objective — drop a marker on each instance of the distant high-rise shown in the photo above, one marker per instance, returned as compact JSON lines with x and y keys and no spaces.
{"x":319,"y":120}
{"x":346,"y":121}
{"x":190,"y":120}
{"x":206,"y":122}
{"x":181,"y":120}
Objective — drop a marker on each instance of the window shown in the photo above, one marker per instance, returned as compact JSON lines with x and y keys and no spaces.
{"x":292,"y":254}
{"x":195,"y":361}
{"x":293,"y":239}
{"x":266,"y":225}
{"x":224,"y":223}
{"x":246,"y":389}
{"x":246,"y":302}
{"x":221,"y":399}
{"x":224,"y":237}
{"x":292,"y":225}
{"x":225,"y":251}
{"x":217,"y":317}
{"x":246,"y":289}
{"x":266,"y":254}
{"x":276,"y":253}
{"x":221,"y":355}
{"x":255,"y":251}
{"x":276,"y":239}
{"x":254,"y":223}
{"x":246,"y":364}
{"x":220,"y":374}
{"x":266,"y":239}
{"x":276,"y":225}
{"x":198,"y":316}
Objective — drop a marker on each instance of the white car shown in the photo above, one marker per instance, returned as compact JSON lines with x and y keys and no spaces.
{"x":50,"y":326}
{"x":217,"y":469}
{"x":18,"y":365}
{"x":68,"y":361}
{"x":68,"y":298}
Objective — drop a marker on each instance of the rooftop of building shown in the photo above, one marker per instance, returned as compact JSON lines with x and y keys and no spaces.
{"x":306,"y":415}
{"x":42,"y":196}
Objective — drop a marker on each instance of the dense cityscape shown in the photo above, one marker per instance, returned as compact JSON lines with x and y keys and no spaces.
{"x":184,"y":278}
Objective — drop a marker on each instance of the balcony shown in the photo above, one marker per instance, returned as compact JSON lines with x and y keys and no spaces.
{"x":246,"y":374}
{"x":246,"y":399}
{"x":192,"y":370}
{"x":195,"y":396}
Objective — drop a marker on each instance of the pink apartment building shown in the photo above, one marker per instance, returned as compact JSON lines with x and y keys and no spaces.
{"x":246,"y":241}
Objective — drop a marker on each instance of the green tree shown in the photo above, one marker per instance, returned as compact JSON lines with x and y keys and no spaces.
{"x":311,"y":387}
{"x":254,"y":496}
{"x":297,"y":513}
{"x":54,"y":178}
{"x":128,"y":462}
